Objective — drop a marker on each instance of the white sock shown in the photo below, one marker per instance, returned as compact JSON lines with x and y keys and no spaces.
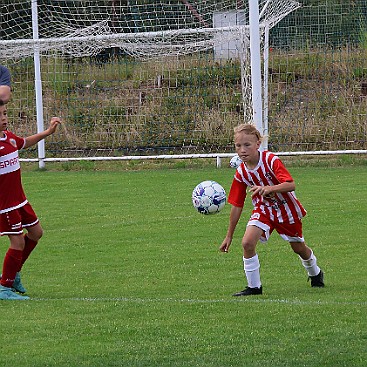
{"x":311,"y":265}
{"x":252,"y":271}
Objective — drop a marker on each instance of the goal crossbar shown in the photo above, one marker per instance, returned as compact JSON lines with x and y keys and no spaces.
{"x":127,"y":36}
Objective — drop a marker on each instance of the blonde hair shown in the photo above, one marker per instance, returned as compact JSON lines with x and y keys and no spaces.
{"x":248,"y":129}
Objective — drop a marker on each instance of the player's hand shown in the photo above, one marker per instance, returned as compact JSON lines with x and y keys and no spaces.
{"x":265,"y":191}
{"x":224,"y":247}
{"x":53,"y":124}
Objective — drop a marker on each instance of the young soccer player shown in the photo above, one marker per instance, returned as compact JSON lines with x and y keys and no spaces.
{"x":276,"y":206}
{"x":5,"y":91}
{"x":16,"y":213}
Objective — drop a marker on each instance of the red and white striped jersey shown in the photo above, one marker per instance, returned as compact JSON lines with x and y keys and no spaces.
{"x":270,"y":170}
{"x":11,"y":191}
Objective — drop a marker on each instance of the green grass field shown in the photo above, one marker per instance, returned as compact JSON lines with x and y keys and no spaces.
{"x":129,"y":274}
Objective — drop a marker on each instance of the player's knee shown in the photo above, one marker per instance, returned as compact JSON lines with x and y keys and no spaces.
{"x":35,"y":233}
{"x":39,"y":233}
{"x":248,"y":246}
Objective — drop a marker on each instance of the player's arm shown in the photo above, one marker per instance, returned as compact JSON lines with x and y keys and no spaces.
{"x":236,"y":197}
{"x":5,"y":82}
{"x":270,"y":190}
{"x":34,"y":139}
{"x":5,"y":93}
{"x":286,"y":182}
{"x":234,"y":217}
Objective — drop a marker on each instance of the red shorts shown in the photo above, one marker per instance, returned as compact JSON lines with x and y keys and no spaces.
{"x":289,"y":232}
{"x":13,"y":222}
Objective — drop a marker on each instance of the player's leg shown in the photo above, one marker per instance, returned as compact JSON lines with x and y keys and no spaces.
{"x":31,"y":238}
{"x":309,"y":262}
{"x":293,"y":234}
{"x":13,"y":223}
{"x":11,"y":264}
{"x":301,"y":249}
{"x":12,"y":260}
{"x":30,"y":242}
{"x":251,"y":262}
{"x":11,"y":226}
{"x":31,"y":223}
{"x":34,"y":230}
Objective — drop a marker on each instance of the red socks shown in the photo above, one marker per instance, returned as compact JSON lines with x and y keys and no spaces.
{"x":12,"y":264}
{"x":28,"y":248}
{"x":14,"y":260}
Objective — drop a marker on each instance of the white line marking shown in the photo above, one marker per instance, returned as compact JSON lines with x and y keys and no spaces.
{"x":235,"y":300}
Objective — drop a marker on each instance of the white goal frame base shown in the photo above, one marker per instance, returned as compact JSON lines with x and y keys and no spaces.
{"x":217,"y":156}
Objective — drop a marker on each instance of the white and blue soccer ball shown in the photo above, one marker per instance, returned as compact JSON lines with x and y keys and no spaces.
{"x":209,"y":197}
{"x":235,"y":161}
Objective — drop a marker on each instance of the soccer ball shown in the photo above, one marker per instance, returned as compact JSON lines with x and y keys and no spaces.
{"x":235,"y":161}
{"x":209,"y":197}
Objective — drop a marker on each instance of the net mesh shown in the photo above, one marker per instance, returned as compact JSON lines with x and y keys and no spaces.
{"x":159,"y":103}
{"x":143,"y":29}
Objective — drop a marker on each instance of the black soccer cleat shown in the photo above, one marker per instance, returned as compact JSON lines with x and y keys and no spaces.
{"x":249,"y":292}
{"x":317,"y":280}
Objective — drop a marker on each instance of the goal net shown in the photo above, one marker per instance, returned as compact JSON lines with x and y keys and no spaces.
{"x":142,"y":77}
{"x":166,"y":31}
{"x":142,"y":29}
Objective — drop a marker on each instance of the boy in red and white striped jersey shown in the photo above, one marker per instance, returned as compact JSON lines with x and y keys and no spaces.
{"x":264,"y":176}
{"x":16,"y":213}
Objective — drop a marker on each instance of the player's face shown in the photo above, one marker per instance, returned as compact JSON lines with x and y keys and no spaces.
{"x":3,"y":118}
{"x":247,"y":146}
